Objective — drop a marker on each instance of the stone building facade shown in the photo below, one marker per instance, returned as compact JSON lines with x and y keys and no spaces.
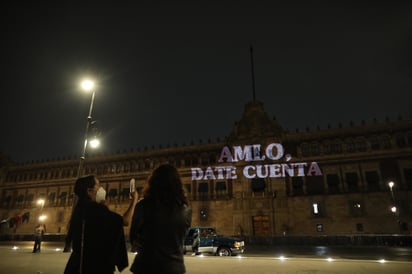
{"x":325,"y":182}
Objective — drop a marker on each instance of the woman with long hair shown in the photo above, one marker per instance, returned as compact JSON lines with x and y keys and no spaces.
{"x":159,"y":224}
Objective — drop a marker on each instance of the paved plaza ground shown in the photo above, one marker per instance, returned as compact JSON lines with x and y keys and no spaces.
{"x":17,"y":258}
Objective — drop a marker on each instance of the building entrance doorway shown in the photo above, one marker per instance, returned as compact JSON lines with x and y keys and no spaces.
{"x":261,"y":225}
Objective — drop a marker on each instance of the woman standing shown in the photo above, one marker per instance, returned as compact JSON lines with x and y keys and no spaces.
{"x":96,"y":232}
{"x":159,"y":224}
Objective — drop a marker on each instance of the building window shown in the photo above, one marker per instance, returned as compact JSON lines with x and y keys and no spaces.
{"x":305,"y":149}
{"x":327,"y":147}
{"x":319,"y":227}
{"x":315,"y":149}
{"x":336,"y":147}
{"x":372,"y":179}
{"x":203,"y":189}
{"x":350,"y":145}
{"x":352,"y":181}
{"x":51,"y":197}
{"x":258,"y":185}
{"x":409,"y":138}
{"x":188,"y":162}
{"x":112,"y":193}
{"x":212,"y":159}
{"x":195,"y":161}
{"x":385,"y":142}
{"x":188,"y":188}
{"x":360,"y":144}
{"x":62,"y":198}
{"x":220,"y":189}
{"x":20,"y":199}
{"x":297,"y":184}
{"x":374,"y":142}
{"x":400,"y":140}
{"x":333,"y":183}
{"x":407,"y":173}
{"x":125,"y":193}
{"x":359,"y":227}
{"x":315,"y":185}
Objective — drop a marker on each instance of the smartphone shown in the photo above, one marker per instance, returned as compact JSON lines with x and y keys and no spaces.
{"x":132,"y":187}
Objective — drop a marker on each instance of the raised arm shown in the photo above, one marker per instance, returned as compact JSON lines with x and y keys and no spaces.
{"x":127,"y":216}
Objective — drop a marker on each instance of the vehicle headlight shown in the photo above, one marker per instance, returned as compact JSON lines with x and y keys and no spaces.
{"x":237,"y":244}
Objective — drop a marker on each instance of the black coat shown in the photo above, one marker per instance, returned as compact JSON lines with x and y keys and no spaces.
{"x":158,"y":231}
{"x":104,"y":242}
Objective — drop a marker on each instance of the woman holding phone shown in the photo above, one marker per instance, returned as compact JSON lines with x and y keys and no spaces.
{"x":159,"y":224}
{"x":96,"y":232}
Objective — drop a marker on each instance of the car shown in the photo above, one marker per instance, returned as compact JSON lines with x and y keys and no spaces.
{"x":206,"y":240}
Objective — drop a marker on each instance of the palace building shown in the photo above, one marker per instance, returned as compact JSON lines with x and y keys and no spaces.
{"x":261,"y":180}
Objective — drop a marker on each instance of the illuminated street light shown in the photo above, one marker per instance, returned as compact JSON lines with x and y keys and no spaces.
{"x":94,"y":143}
{"x":87,"y":85}
{"x":42,"y":218}
{"x":40,"y":202}
{"x":391,"y":184}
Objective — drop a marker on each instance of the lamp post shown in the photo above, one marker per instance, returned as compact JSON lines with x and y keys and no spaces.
{"x":87,"y":85}
{"x":394,"y":208}
{"x":391,"y":184}
{"x":42,"y":217}
{"x":40,"y":202}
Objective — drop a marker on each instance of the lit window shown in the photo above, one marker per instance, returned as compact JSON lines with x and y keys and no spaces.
{"x":315,"y":208}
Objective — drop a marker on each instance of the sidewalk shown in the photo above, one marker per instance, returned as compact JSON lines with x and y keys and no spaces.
{"x":53,"y":260}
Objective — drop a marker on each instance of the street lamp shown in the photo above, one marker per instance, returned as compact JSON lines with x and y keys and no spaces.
{"x":88,"y":86}
{"x":42,"y":218}
{"x":391,"y":184}
{"x":40,"y":202}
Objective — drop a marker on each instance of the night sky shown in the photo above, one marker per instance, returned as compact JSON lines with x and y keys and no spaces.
{"x":174,"y":72}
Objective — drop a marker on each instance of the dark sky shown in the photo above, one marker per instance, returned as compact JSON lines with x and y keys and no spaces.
{"x":174,"y":72}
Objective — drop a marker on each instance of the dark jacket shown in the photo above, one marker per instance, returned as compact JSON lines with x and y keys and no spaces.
{"x":159,"y":231}
{"x":104,"y":243}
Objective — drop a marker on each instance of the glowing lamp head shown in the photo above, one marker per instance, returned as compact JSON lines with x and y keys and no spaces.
{"x":94,"y":143}
{"x":391,"y":184}
{"x":42,"y":218}
{"x":87,"y":85}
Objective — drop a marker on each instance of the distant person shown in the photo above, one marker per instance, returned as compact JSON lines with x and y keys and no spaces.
{"x":96,"y":232}
{"x":39,"y":231}
{"x":196,"y":242}
{"x":159,"y":224}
